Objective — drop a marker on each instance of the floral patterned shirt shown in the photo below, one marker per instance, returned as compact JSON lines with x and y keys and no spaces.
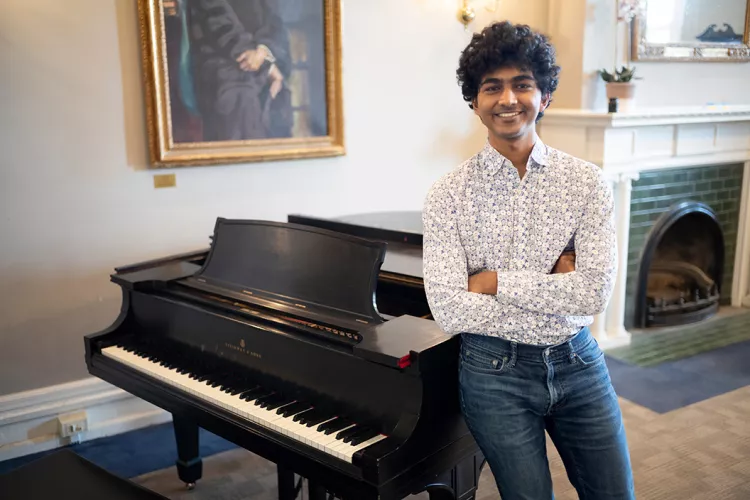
{"x":483,"y":216}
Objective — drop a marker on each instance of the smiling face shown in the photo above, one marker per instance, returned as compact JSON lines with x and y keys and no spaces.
{"x":508,"y":103}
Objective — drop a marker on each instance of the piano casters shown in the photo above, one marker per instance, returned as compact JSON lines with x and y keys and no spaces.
{"x":189,"y":463}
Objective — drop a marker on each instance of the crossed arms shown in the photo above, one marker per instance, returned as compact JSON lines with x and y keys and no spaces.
{"x":578,"y":285}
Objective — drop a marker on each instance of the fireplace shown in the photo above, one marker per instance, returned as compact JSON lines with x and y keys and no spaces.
{"x":681,"y":268}
{"x":656,"y":159}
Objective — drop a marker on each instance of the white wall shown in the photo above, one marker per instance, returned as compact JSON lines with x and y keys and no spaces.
{"x":76,"y":197}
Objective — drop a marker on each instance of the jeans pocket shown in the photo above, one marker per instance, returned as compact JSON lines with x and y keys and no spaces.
{"x":589,"y":355}
{"x":479,"y":361}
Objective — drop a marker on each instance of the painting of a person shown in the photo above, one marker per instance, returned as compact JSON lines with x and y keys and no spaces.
{"x":233,"y":67}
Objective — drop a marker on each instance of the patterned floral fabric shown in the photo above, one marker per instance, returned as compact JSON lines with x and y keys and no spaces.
{"x":482,"y":216}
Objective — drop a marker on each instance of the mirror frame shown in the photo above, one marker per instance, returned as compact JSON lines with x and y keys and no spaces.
{"x":689,"y":51}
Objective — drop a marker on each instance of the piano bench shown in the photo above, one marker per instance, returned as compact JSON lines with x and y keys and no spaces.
{"x":63,"y":475}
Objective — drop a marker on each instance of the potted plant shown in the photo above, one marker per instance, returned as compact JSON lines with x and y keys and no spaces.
{"x":620,"y":84}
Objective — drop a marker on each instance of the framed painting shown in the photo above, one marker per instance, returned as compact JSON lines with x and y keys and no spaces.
{"x":235,"y":81}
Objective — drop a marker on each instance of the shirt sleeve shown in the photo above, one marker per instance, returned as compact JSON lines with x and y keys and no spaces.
{"x":585,"y":291}
{"x":445,"y":271}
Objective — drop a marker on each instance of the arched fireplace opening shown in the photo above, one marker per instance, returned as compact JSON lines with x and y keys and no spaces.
{"x":679,"y":278}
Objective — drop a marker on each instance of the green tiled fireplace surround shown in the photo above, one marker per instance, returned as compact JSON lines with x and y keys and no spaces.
{"x":655,"y":192}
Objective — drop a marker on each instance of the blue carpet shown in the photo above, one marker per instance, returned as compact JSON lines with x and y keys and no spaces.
{"x":133,"y":453}
{"x":679,"y":383}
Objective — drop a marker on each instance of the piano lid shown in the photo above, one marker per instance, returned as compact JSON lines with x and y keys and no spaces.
{"x":295,"y":264}
{"x":398,"y":227}
{"x":402,"y":231}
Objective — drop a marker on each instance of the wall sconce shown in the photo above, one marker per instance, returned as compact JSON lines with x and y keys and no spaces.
{"x":467,"y":13}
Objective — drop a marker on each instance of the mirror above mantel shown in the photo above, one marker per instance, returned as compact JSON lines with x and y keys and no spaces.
{"x":692,"y":30}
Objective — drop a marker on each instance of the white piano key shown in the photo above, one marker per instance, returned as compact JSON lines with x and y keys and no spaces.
{"x":270,"y":419}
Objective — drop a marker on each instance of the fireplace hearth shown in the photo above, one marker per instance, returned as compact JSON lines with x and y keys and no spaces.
{"x":681,"y":268}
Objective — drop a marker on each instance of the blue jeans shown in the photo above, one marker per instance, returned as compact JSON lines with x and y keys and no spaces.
{"x":511,"y":393}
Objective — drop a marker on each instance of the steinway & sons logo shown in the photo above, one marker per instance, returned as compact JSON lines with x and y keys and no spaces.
{"x":241,"y":348}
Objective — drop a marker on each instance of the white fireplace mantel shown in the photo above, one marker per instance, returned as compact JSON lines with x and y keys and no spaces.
{"x":626,"y":144}
{"x":651,"y":138}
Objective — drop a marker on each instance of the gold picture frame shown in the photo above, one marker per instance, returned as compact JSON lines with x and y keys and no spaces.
{"x":284,"y":101}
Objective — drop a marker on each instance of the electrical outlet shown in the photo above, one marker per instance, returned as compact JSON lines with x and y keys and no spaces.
{"x":71,"y":424}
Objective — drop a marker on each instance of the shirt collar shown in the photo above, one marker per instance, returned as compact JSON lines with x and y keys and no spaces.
{"x":492,"y":160}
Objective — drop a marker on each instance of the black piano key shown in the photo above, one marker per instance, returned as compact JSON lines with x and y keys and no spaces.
{"x":264,"y":401}
{"x":229,"y":384}
{"x":326,"y":425}
{"x":326,"y":414}
{"x":254,"y":394}
{"x":336,"y":425}
{"x":363,"y":429}
{"x":307,"y":416}
{"x":315,"y":420}
{"x":282,"y":401}
{"x":294,"y":408}
{"x":263,"y":397}
{"x":348,"y":432}
{"x":299,"y":417}
{"x":364,"y":436}
{"x":249,"y":392}
{"x":217,"y":380}
{"x":240,"y":385}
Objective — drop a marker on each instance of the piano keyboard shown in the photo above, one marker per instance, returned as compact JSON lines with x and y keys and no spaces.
{"x":299,"y":420}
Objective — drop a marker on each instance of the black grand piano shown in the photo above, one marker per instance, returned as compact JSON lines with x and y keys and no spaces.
{"x":309,"y":343}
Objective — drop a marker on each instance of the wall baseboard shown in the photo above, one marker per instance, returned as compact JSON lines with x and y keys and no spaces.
{"x":28,"y":420}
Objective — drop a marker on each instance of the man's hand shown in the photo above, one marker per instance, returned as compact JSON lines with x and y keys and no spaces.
{"x":484,"y":282}
{"x":252,"y":60}
{"x":566,"y":263}
{"x":277,"y":80}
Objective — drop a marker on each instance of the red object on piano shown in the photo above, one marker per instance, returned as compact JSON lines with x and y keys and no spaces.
{"x":405,"y":361}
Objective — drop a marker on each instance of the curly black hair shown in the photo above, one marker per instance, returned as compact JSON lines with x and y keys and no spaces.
{"x":503,"y":44}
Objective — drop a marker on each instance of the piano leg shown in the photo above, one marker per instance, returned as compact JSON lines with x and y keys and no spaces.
{"x":189,"y":463}
{"x":461,"y":482}
{"x":287,"y":488}
{"x":316,"y":491}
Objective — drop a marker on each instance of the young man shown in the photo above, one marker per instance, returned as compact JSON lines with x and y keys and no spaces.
{"x":494,"y":232}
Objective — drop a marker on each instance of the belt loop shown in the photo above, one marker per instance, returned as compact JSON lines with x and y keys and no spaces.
{"x":571,"y":349}
{"x":513,"y":354}
{"x":577,"y":338}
